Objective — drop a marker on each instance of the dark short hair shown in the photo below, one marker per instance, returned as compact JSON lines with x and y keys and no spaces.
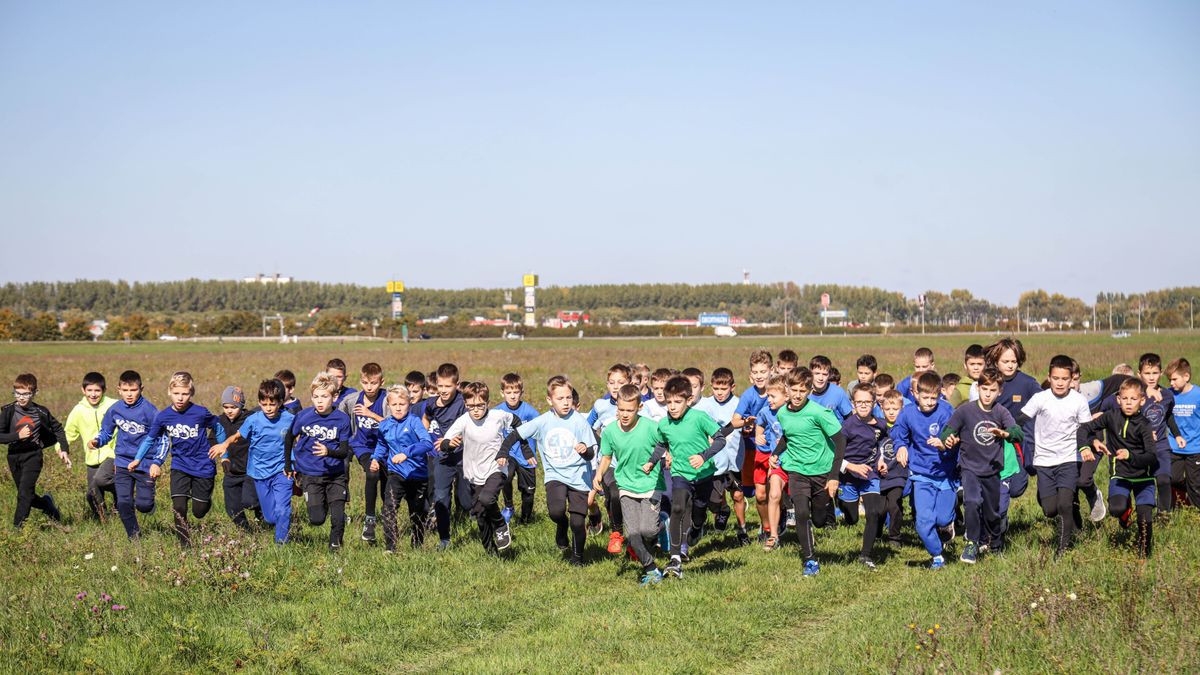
{"x":94,"y":378}
{"x":975,"y":351}
{"x":788,"y":356}
{"x":678,"y":386}
{"x":629,"y":392}
{"x":511,"y":380}
{"x":1061,"y":361}
{"x":372,"y":369}
{"x":449,"y":371}
{"x":130,"y":377}
{"x":800,"y":377}
{"x":287,"y":377}
{"x":476,"y":390}
{"x":722,"y":376}
{"x":820,"y":361}
{"x":928,"y":382}
{"x":336,"y":364}
{"x":415,"y":377}
{"x":272,"y":390}
{"x":1149,"y":359}
{"x":991,"y":376}
{"x":868,"y":361}
{"x":997,"y":349}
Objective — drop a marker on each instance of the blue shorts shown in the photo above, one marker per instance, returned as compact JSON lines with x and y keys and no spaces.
{"x":1142,"y":491}
{"x":852,"y":487}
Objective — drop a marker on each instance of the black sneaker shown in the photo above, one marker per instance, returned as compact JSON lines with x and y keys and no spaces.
{"x":368,"y":533}
{"x":503,"y":537}
{"x":694,"y":535}
{"x":334,"y":548}
{"x":51,"y":509}
{"x":867,"y":562}
{"x":721,"y":521}
{"x":674,"y":568}
{"x":743,"y":539}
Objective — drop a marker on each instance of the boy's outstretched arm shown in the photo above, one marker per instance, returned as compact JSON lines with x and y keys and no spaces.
{"x":289,"y":441}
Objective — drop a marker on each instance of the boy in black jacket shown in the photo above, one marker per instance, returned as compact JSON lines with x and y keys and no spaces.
{"x":28,"y":428}
{"x":1130,"y":442}
{"x":240,"y":494}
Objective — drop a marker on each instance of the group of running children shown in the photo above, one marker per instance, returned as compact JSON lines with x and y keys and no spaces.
{"x":660,"y":454}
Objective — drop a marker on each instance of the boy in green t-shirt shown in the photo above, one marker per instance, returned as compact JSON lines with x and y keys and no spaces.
{"x":628,"y":445}
{"x":810,"y":450}
{"x":692,"y":439}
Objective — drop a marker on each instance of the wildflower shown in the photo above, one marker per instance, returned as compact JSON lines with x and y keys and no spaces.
{"x":930,"y":631}
{"x":1072,"y":597}
{"x":95,"y":609}
{"x":119,"y":608}
{"x":1047,"y":590}
{"x":937,"y":626}
{"x":918,"y":647}
{"x":1033,"y":605}
{"x":113,"y":568}
{"x":245,"y":575}
{"x":81,"y":595}
{"x":105,"y":597}
{"x":912,"y":625}
{"x":89,"y":556}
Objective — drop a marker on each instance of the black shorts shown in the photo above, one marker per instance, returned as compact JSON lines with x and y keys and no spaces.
{"x":325,"y":489}
{"x":192,"y":487}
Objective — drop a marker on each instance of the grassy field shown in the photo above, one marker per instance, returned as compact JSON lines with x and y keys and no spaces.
{"x":239,"y":602}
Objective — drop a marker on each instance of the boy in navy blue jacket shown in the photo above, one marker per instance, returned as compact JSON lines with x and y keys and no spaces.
{"x":402,"y":449}
{"x":859,"y":473}
{"x":933,"y":468}
{"x":132,"y":416}
{"x":440,"y":413}
{"x":182,"y":430}
{"x":978,"y":429}
{"x":893,"y":476}
{"x":365,"y":410}
{"x":320,"y":441}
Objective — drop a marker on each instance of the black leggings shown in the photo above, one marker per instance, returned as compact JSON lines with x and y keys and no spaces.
{"x":1062,"y":505}
{"x":179,"y":505}
{"x":612,"y":501}
{"x":873,"y":504}
{"x":893,"y":508}
{"x":375,"y":482}
{"x":567,"y":507}
{"x":526,"y":480}
{"x":1118,"y":504}
{"x":689,"y":504}
{"x":25,"y":468}
{"x":811,"y":501}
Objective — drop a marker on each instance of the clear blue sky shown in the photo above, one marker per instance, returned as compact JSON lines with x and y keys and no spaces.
{"x":999,"y":147}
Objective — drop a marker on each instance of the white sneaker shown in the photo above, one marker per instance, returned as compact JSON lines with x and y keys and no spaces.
{"x":1099,"y":509}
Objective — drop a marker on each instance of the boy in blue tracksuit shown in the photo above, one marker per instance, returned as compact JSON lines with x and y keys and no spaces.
{"x":525,"y":470}
{"x":182,"y":431}
{"x":859,"y":470}
{"x":932,"y":467}
{"x":366,"y":410}
{"x":402,"y":450}
{"x":265,"y":432}
{"x":132,"y":416}
{"x":319,"y":440}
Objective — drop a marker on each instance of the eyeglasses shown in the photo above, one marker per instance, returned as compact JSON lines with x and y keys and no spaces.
{"x":22,"y":394}
{"x":864,"y":402}
{"x":475,"y":406}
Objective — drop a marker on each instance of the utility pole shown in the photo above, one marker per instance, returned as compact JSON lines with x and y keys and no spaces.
{"x":1109,"y":298}
{"x":1139,"y":315}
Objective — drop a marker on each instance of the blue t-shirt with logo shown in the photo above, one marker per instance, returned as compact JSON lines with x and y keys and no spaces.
{"x":556,"y":438}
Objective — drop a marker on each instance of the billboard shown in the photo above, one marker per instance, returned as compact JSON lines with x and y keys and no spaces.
{"x":714,"y":319}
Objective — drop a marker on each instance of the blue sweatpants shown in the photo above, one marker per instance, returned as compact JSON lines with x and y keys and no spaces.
{"x":135,"y":489}
{"x":934,"y":507}
{"x":275,"y":499}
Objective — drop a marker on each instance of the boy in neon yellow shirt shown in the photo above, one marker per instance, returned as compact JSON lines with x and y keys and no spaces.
{"x":83,"y":424}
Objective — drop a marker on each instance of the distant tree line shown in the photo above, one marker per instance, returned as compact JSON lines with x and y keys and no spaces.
{"x":65,"y":310}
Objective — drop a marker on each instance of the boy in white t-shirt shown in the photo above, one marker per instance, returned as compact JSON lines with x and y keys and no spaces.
{"x":1057,"y":413}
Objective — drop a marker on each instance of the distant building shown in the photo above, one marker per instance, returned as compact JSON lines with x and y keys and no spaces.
{"x":261,"y":278}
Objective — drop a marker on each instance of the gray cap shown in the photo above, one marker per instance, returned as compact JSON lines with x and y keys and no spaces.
{"x":233,"y":396}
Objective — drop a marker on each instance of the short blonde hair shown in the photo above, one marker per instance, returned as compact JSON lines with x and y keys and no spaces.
{"x":182,"y":378}
{"x":324,"y":381}
{"x":399,"y":390}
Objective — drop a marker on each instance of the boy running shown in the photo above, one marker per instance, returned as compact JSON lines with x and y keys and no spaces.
{"x":28,"y":428}
{"x":403,"y":448}
{"x":83,"y":423}
{"x":319,"y":442}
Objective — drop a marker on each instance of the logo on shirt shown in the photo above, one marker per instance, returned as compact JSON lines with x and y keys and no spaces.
{"x":1154,"y":414}
{"x":559,"y":446}
{"x":1016,"y":398}
{"x":182,"y":431}
{"x":129,"y":426}
{"x":934,"y":428}
{"x":367,"y":423}
{"x":320,"y":433}
{"x":887,"y":449}
{"x":983,"y":432}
